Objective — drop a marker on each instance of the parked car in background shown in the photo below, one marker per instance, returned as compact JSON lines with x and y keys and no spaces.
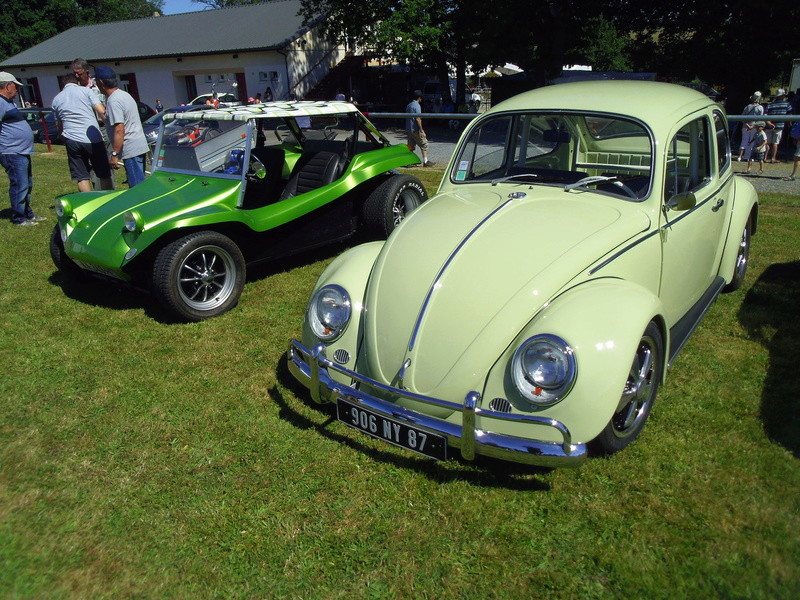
{"x":34,"y":117}
{"x":225,"y":99}
{"x":145,"y":111}
{"x":235,"y":186}
{"x":152,"y":125}
{"x":530,"y":309}
{"x":706,"y":89}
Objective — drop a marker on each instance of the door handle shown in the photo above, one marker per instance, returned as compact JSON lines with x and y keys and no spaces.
{"x":717,"y":205}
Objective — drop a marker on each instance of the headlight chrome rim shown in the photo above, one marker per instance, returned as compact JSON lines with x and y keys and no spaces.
{"x":63,"y":208}
{"x":329,"y":312}
{"x":133,"y":221}
{"x":544,"y":369}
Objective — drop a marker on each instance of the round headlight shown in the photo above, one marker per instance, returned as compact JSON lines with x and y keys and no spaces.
{"x":329,"y":312}
{"x":63,"y":208}
{"x":544,"y":369}
{"x":133,"y":221}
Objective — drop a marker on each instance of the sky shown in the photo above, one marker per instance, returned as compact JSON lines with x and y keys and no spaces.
{"x":172,"y":7}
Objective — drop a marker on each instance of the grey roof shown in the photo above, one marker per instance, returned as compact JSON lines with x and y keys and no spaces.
{"x":267,"y":26}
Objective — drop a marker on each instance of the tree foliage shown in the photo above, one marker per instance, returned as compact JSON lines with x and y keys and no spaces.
{"x":25,"y":23}
{"x":225,"y":3}
{"x":736,"y":43}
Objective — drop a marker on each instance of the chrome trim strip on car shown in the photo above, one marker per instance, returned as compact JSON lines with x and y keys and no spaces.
{"x":446,"y":264}
{"x":311,"y":368}
{"x":682,"y":216}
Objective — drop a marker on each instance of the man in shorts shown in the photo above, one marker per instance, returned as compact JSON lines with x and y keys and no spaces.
{"x":77,"y":111}
{"x":414,"y":131}
{"x":779,"y":106}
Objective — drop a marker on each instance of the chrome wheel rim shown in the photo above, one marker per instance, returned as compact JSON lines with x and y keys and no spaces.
{"x":405,"y":202}
{"x":743,"y":255}
{"x":638,"y":393}
{"x":206,"y":278}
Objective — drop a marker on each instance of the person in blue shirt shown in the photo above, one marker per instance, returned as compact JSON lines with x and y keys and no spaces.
{"x":414,"y":131}
{"x":16,"y":147}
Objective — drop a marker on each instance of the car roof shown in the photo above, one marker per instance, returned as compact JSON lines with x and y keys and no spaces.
{"x":649,"y":101}
{"x":268,"y":110}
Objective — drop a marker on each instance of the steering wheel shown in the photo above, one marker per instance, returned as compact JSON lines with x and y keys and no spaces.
{"x":256,"y":171}
{"x":597,"y":179}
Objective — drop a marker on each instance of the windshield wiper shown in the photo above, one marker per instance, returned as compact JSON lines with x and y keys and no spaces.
{"x":589,"y":181}
{"x":510,"y":177}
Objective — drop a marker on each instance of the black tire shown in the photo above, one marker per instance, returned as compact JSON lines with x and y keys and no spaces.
{"x":742,"y":258}
{"x":390,"y":203}
{"x":199,"y":276}
{"x":60,"y":259}
{"x":638,"y":395}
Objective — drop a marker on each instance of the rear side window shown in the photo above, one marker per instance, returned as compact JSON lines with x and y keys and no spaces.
{"x":723,"y":142}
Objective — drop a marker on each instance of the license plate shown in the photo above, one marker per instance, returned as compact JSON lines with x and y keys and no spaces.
{"x":392,"y":431}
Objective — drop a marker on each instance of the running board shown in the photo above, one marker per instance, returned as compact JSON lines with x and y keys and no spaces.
{"x":680,"y":333}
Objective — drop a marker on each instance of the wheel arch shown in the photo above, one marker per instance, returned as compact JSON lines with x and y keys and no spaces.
{"x":602,"y":320}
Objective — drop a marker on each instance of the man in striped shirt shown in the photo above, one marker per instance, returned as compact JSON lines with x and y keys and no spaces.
{"x":778,"y":106}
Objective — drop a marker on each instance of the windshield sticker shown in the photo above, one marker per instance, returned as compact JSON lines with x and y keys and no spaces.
{"x":461,"y":175}
{"x":463,"y":165}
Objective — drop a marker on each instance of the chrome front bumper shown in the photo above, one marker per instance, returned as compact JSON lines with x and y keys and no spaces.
{"x":311,"y":368}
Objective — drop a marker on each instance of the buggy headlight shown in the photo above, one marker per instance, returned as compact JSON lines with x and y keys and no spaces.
{"x":63,"y":208}
{"x":133,"y":221}
{"x":544,"y":369}
{"x":329,"y":312}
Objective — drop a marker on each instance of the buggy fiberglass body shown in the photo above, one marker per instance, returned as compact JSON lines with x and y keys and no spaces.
{"x":234,"y":186}
{"x":530,"y":309}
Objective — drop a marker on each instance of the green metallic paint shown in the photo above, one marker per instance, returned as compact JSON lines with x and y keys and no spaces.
{"x":168,"y":201}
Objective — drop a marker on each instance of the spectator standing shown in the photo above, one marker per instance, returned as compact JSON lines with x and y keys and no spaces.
{"x":759,"y":147}
{"x":779,"y":106}
{"x":16,"y":148}
{"x":159,"y":106}
{"x":128,"y":143}
{"x":76,"y":110}
{"x":795,"y":134}
{"x":748,"y":128}
{"x":414,"y":131}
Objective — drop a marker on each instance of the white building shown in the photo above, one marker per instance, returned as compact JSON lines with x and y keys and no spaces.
{"x":244,"y":50}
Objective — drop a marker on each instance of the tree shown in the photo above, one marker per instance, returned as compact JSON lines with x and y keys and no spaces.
{"x":25,"y":23}
{"x":739,"y":44}
{"x":438,"y":33}
{"x":225,"y":3}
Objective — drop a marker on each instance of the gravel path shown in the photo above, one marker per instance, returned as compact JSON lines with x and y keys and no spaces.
{"x":772,"y":179}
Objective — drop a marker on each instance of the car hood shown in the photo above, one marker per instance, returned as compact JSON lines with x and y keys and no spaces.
{"x":96,"y":234}
{"x":161,"y":197}
{"x":462,"y":276}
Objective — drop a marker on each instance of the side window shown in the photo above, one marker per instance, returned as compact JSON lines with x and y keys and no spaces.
{"x":484,"y":154}
{"x":723,"y":142}
{"x":688,"y":159}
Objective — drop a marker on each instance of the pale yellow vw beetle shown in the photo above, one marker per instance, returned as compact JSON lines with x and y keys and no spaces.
{"x":529,"y":311}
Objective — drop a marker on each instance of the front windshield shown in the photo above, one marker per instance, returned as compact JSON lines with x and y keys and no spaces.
{"x":552,"y":148}
{"x":207,"y":146}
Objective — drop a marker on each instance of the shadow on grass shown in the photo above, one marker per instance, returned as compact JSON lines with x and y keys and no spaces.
{"x":485,"y":472}
{"x":117,"y":295}
{"x":770,"y":315}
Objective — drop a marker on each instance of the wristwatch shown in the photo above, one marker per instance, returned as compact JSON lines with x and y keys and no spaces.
{"x":114,"y":153}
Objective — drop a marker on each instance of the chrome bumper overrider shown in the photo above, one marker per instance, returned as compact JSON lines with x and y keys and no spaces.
{"x":311,"y":368}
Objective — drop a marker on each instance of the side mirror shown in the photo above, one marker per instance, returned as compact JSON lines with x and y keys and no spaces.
{"x":683,"y":201}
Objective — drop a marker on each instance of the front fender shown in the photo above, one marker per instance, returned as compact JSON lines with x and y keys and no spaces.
{"x":350,"y":270}
{"x":745,"y":208}
{"x":602,"y":320}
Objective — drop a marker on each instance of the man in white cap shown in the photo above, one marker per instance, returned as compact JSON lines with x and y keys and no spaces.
{"x":16,"y":147}
{"x":778,"y":106}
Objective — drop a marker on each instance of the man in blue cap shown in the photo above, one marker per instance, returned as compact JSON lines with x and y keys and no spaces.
{"x":16,"y":147}
{"x":128,"y":143}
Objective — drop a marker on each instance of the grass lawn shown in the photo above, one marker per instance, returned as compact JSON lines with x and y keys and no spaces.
{"x":145,"y":459}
